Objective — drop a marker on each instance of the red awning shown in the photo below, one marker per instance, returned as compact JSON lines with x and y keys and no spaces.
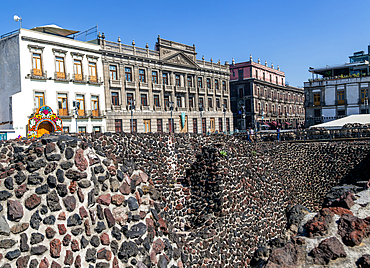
{"x":274,"y":123}
{"x":288,"y":123}
{"x":267,"y":124}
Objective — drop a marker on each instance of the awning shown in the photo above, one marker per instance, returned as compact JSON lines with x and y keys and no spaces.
{"x":54,"y":29}
{"x":267,"y":124}
{"x":288,"y":123}
{"x":273,"y":123}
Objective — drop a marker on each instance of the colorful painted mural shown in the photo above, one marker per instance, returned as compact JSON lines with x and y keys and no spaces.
{"x":44,"y":122}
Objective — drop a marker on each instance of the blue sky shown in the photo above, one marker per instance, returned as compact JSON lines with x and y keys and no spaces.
{"x":292,"y":34}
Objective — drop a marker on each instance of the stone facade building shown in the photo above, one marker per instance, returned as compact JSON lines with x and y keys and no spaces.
{"x":261,"y":99}
{"x":338,"y":91}
{"x":155,"y":80}
{"x":43,"y":66}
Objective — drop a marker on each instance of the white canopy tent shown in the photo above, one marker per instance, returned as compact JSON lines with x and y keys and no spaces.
{"x":339,"y":123}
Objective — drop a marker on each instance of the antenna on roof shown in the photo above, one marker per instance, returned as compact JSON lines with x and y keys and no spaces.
{"x":16,"y":19}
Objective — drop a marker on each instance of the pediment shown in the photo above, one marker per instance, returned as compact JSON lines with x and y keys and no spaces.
{"x":180,"y":59}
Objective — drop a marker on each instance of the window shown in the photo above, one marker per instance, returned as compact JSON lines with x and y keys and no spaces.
{"x":66,"y":129}
{"x":190,"y":81}
{"x":62,"y":104}
{"x":165,"y":78}
{"x":216,"y":84}
{"x":264,"y":77}
{"x":177,"y":80}
{"x":210,"y":102}
{"x":77,"y":68}
{"x":240,"y":92}
{"x":204,"y":127}
{"x":256,"y":74}
{"x":156,"y":101}
{"x":128,"y":74}
{"x":36,"y":64}
{"x":133,"y":124}
{"x":113,"y":72}
{"x":155,"y":77}
{"x":96,"y":129}
{"x":95,"y":105}
{"x":144,"y":100}
{"x":118,"y":125}
{"x":146,"y":125}
{"x":341,"y":112}
{"x":364,"y":95}
{"x":178,"y":101}
{"x":166,"y":101}
{"x":220,"y":124}
{"x":259,"y":107}
{"x":340,"y":96}
{"x":227,"y":124}
{"x":115,"y":100}
{"x":142,"y":76}
{"x":92,"y":72}
{"x":81,"y":100}
{"x":277,"y":80}
{"x":130,"y":99}
{"x":270,"y":78}
{"x":225,"y":103}
{"x":240,"y":73}
{"x":159,"y":126}
{"x":191,"y":101}
{"x":200,"y":84}
{"x":317,"y":112}
{"x":218,"y":104}
{"x":59,"y":67}
{"x":81,"y":129}
{"x":282,"y":81}
{"x":224,"y":85}
{"x":195,"y":126}
{"x":208,"y":83}
{"x":39,"y":99}
{"x":201,"y":105}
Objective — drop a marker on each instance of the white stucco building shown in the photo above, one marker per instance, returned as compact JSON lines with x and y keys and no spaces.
{"x":43,"y":66}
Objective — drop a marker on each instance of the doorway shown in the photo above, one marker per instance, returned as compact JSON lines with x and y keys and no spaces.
{"x":44,"y":128}
{"x":212,"y":125}
{"x":185,"y":128}
{"x":146,"y":125}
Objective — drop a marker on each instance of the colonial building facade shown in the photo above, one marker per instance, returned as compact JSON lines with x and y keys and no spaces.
{"x":260,"y":97}
{"x":43,"y":67}
{"x":145,"y":88}
{"x":338,"y":91}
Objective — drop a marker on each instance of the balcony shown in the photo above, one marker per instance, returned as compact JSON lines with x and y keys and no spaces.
{"x":79,"y":78}
{"x":192,"y":90}
{"x":340,"y":102}
{"x":210,"y":91}
{"x":38,"y":74}
{"x":144,"y":108}
{"x":96,"y":114}
{"x":157,"y":87}
{"x":143,"y":86}
{"x":64,"y":113}
{"x":115,"y":83}
{"x":167,"y":88}
{"x":130,"y":84}
{"x":226,"y":93}
{"x":63,"y":77}
{"x":181,"y":109}
{"x":218,"y":92}
{"x":201,"y":90}
{"x":180,"y":89}
{"x":95,"y":80}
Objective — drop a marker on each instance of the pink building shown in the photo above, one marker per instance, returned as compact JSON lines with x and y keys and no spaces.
{"x":260,"y":97}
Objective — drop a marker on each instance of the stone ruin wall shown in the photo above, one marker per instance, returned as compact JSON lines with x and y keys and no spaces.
{"x":154,"y":200}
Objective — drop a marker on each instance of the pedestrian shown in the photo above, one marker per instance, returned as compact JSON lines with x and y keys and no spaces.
{"x":251,"y":132}
{"x":278,"y":133}
{"x":248,"y":135}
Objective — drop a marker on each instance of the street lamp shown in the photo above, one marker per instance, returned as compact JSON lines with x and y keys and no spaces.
{"x":171,"y":109}
{"x":224,"y":110}
{"x":243,"y":116}
{"x":76,"y":107}
{"x":132,"y":107}
{"x":201,"y":116}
